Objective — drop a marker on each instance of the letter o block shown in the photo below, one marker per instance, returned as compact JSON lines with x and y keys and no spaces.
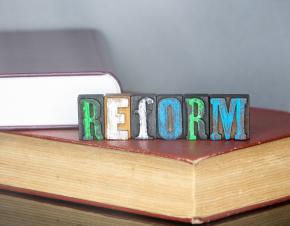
{"x":169,"y":117}
{"x":117,"y":117}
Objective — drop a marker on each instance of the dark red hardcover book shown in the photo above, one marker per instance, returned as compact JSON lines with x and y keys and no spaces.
{"x":214,"y":179}
{"x":43,"y":72}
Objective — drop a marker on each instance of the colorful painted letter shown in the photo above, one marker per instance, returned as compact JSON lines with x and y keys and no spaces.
{"x":197,"y":117}
{"x":170,"y":117}
{"x":117,"y":117}
{"x":91,"y":117}
{"x":143,"y":116}
{"x":229,"y":117}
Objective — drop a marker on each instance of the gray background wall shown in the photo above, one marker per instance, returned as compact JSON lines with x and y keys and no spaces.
{"x":179,"y":46}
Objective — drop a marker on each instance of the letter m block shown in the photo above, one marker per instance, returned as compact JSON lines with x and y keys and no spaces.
{"x":229,"y":117}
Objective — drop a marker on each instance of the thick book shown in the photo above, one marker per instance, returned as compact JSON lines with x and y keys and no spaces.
{"x":28,"y":210}
{"x":43,"y":72}
{"x":190,"y":181}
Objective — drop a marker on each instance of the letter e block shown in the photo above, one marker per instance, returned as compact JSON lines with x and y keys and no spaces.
{"x":117,"y":117}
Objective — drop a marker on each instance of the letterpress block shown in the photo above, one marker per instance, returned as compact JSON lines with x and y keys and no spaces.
{"x":229,"y":117}
{"x":91,"y":117}
{"x":169,"y":117}
{"x":117,"y":117}
{"x":196,"y":116}
{"x":143,"y":116}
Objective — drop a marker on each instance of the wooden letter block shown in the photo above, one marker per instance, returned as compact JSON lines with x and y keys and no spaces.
{"x":229,"y":117}
{"x":196,"y":116}
{"x":91,"y":117}
{"x":169,"y":114}
{"x":117,"y":117}
{"x":143,"y":116}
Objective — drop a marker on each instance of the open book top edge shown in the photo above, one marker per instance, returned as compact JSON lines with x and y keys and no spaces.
{"x":40,"y":74}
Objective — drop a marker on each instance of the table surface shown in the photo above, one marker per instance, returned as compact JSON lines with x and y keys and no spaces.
{"x":26,"y":210}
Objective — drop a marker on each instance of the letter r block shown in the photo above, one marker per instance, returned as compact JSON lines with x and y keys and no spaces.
{"x":196,"y":116}
{"x":91,"y":117}
{"x":143,"y":116}
{"x":117,"y":117}
{"x":229,"y":117}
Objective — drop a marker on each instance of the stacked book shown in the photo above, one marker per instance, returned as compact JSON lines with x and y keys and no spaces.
{"x":27,"y":210}
{"x":179,"y":180}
